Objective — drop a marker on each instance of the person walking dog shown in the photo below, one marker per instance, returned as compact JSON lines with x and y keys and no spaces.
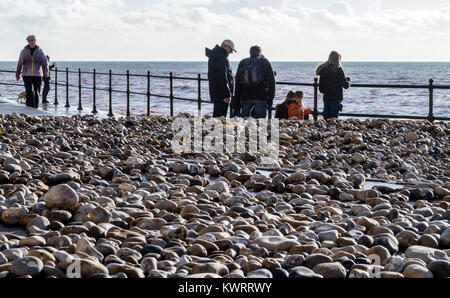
{"x":32,"y":65}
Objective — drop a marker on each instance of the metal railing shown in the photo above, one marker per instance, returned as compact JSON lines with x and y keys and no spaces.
{"x":430,"y":87}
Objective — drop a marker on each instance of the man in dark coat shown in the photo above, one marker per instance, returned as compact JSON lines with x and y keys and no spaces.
{"x":220,"y":76}
{"x":255,"y":85}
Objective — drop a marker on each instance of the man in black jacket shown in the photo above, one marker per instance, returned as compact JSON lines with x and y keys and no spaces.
{"x":220,"y":77}
{"x":255,"y":85}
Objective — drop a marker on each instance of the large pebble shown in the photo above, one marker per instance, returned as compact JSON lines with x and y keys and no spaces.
{"x":303,"y":272}
{"x":330,"y":270}
{"x":13,"y":215}
{"x":275,"y":243}
{"x":445,"y":238}
{"x":426,"y":254}
{"x":27,"y":266}
{"x":32,"y":241}
{"x":88,"y":268}
{"x":417,"y":271}
{"x":61,"y":196}
{"x":315,"y":259}
{"x":215,"y":268}
{"x":100,"y":215}
{"x":440,"y":268}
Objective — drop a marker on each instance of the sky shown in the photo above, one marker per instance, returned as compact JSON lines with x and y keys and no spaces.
{"x":179,"y":30}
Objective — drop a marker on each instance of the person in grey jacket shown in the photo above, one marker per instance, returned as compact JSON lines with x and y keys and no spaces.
{"x":32,"y":65}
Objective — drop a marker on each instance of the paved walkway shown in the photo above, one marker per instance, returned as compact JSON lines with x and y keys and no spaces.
{"x":9,"y":106}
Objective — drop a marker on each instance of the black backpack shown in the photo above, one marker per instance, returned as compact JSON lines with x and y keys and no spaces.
{"x":251,"y":74}
{"x":281,"y":111}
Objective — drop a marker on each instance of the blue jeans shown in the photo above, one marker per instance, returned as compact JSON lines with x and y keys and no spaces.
{"x":254,"y":108}
{"x":46,"y":88}
{"x":331,"y":109}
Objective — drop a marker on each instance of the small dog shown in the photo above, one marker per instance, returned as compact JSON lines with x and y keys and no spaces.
{"x":22,"y":97}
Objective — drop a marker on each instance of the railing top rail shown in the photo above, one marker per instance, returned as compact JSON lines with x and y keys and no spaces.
{"x":159,"y":76}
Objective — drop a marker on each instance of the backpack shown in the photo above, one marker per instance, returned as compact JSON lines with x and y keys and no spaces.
{"x":281,"y":111}
{"x":251,"y":72}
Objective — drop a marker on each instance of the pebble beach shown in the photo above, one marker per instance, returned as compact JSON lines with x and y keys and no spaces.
{"x":110,"y":195}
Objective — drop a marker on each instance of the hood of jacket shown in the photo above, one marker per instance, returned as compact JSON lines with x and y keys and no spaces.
{"x":216,"y":52}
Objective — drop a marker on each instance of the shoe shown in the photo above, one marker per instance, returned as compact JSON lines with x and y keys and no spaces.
{"x":45,"y":101}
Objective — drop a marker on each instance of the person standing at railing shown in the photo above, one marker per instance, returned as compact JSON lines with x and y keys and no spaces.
{"x":47,"y":82}
{"x":32,"y":65}
{"x":255,"y":84}
{"x":332,"y":80}
{"x":220,"y":77}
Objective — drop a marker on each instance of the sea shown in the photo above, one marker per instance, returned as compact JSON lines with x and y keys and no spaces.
{"x":388,"y":101}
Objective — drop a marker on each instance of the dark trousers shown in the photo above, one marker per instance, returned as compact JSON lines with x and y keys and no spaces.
{"x":254,"y":108}
{"x":32,"y":84}
{"x":220,"y":109}
{"x":236,"y":107}
{"x":331,"y":109}
{"x":46,"y":89}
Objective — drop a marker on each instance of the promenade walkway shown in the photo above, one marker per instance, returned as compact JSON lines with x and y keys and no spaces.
{"x":9,"y":106}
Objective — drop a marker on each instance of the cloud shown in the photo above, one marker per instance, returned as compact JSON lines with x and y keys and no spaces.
{"x":177,"y":30}
{"x":341,"y":8}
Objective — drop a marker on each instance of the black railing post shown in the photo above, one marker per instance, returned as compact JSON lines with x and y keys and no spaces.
{"x":148,"y":93}
{"x":56,"y":86}
{"x":128,"y":93}
{"x":431,"y":101}
{"x":67,"y":89}
{"x":199,"y":99}
{"x":80,"y":107}
{"x":94,"y":85}
{"x":110,"y":114}
{"x":316,"y":110}
{"x":171,"y":94}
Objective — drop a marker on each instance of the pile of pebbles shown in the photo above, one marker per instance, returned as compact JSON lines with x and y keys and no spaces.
{"x":102,"y":194}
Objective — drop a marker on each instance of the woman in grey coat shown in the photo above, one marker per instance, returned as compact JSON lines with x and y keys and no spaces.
{"x":32,"y":64}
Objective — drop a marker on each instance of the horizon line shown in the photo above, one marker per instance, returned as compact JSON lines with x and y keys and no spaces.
{"x":277,"y":61}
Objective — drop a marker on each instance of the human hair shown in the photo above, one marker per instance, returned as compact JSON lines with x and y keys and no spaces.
{"x":255,"y":50}
{"x":290,"y":95}
{"x":335,"y":59}
{"x":299,"y":94}
{"x":31,"y":36}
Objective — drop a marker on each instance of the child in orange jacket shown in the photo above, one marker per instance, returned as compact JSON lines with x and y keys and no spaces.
{"x":296,"y":109}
